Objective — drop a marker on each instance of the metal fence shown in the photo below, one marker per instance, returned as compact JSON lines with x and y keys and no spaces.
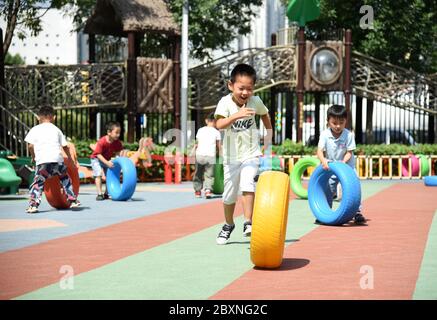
{"x":389,"y":124}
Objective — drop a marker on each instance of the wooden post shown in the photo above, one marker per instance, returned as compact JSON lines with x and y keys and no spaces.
{"x":273,"y":93}
{"x":359,"y":121}
{"x":432,"y":121}
{"x":273,"y":39}
{"x":347,"y":76}
{"x":300,"y":81}
{"x":369,"y":118}
{"x":289,"y":115}
{"x":177,"y":82}
{"x":2,"y":70}
{"x":92,"y":111}
{"x":92,"y":48}
{"x":272,"y":113}
{"x":317,"y":101}
{"x":2,"y":83}
{"x":138,"y":39}
{"x":131,"y":87}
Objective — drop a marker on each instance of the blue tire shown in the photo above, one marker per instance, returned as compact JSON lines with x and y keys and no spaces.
{"x":431,"y":181}
{"x":121,"y":191}
{"x":351,"y":194}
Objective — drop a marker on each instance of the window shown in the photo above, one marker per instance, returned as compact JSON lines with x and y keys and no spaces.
{"x":47,"y":44}
{"x":57,"y":44}
{"x":36,"y":44}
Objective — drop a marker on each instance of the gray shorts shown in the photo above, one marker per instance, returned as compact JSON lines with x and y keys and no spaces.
{"x":98,"y":166}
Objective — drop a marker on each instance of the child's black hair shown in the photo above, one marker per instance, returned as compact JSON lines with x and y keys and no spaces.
{"x":243,"y":69}
{"x":210,"y":117}
{"x":46,"y":111}
{"x":111,"y":125}
{"x":337,"y":111}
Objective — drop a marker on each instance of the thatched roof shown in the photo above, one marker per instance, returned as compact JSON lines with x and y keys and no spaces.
{"x":117,"y":17}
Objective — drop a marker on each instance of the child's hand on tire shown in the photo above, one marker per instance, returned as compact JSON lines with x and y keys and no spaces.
{"x":325,"y":164}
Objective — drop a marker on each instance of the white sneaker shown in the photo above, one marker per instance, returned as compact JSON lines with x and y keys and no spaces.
{"x":74,"y":204}
{"x":225,"y":234}
{"x":32,"y":209}
{"x":247,"y":229}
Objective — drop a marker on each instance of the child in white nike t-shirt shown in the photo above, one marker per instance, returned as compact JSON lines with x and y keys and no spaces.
{"x":235,"y":114}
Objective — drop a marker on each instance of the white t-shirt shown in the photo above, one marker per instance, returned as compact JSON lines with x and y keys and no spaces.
{"x":241,"y":139}
{"x":207,"y":138}
{"x":47,"y":140}
{"x":336,"y":148}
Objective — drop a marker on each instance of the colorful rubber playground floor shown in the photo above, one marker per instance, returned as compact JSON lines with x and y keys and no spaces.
{"x":161,"y":245}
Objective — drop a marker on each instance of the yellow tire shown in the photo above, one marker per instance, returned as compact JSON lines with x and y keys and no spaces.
{"x":269,"y":221}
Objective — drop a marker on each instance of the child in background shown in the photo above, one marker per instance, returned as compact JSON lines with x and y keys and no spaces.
{"x":45,"y":142}
{"x":207,"y":147}
{"x":106,"y":147}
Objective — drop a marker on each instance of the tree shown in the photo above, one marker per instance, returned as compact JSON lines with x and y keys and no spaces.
{"x":13,"y":59}
{"x":24,"y":15}
{"x":404,"y":33}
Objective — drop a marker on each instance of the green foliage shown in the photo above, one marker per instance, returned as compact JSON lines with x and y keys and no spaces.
{"x":15,"y":59}
{"x":289,"y":147}
{"x":396,"y":149}
{"x":404,"y":34}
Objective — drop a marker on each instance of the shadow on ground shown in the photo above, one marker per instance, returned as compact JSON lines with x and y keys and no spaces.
{"x":288,"y":264}
{"x":248,"y":241}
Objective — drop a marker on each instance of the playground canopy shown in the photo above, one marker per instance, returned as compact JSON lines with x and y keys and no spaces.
{"x":118,"y":17}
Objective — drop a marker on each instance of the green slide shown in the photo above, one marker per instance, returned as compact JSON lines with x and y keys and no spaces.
{"x":8,"y":177}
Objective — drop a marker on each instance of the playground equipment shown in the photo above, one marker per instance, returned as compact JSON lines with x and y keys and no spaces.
{"x":121,"y":191}
{"x":351,"y":194}
{"x":296,"y":175}
{"x":415,"y":166}
{"x":8,"y":177}
{"x":54,"y":192}
{"x":431,"y":181}
{"x":218,"y":186}
{"x":424,"y":165}
{"x":269,"y":221}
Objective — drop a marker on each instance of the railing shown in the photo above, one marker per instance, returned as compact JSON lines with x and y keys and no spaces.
{"x":71,"y":86}
{"x":391,"y":167}
{"x":373,"y":167}
{"x":275,"y":66}
{"x":12,"y":133}
{"x":12,"y":129}
{"x":382,"y":81}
